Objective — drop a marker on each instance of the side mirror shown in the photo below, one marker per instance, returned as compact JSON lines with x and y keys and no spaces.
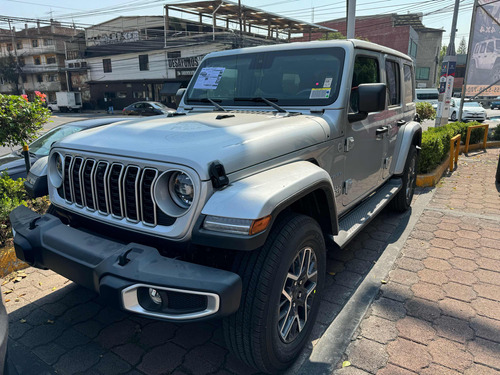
{"x":178,"y":96}
{"x":372,"y":97}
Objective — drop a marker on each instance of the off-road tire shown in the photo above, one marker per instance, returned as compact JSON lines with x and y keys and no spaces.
{"x":453,"y":116}
{"x":402,"y":201}
{"x":253,"y":333}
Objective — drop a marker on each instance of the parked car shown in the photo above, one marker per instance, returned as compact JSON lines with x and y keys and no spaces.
{"x":472,"y":111}
{"x":53,"y":106}
{"x":428,"y":95}
{"x":224,"y":212}
{"x":147,"y":109}
{"x":14,"y":163}
{"x":495,"y":103}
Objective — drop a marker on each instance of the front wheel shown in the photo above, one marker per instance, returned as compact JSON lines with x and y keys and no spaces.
{"x":282,"y":284}
{"x":453,"y":116}
{"x":402,"y":201}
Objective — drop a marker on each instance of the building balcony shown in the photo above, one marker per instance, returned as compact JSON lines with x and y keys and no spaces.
{"x":46,"y":68}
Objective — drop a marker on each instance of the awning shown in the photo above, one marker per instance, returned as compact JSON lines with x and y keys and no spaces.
{"x":170,"y":88}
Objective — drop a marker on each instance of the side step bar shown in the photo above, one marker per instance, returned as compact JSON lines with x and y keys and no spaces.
{"x":353,"y":222}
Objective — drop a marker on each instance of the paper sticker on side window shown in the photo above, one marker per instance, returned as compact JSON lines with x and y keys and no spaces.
{"x":320,"y":93}
{"x":209,"y":78}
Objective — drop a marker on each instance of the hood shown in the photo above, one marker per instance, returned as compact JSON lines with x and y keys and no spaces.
{"x":14,"y":165}
{"x":474,"y":109}
{"x":237,"y":140}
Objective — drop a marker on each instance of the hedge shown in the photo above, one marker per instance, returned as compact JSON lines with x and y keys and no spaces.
{"x":436,"y":143}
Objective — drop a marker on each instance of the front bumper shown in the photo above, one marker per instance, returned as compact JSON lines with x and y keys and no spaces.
{"x":121,"y":272}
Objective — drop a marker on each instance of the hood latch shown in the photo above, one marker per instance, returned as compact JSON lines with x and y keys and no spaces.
{"x":217,"y":174}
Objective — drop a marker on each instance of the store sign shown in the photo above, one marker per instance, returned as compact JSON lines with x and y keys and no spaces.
{"x":113,"y":38}
{"x":185,"y":62}
{"x":484,"y":62}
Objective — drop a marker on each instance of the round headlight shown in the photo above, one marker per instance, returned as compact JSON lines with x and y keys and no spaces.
{"x":181,"y":189}
{"x":59,"y":165}
{"x":55,"y":170}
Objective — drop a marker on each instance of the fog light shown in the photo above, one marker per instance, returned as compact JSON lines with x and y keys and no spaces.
{"x":155,"y":296}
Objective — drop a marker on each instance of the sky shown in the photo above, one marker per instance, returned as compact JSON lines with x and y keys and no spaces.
{"x":437,"y":13}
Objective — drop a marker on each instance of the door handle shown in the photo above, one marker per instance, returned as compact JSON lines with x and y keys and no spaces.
{"x":401,"y":122}
{"x":382,"y":130}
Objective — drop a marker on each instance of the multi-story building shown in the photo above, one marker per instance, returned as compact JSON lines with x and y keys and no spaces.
{"x":40,"y":54}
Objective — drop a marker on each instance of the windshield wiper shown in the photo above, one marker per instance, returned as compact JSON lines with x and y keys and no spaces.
{"x":208,"y":100}
{"x":264,"y":100}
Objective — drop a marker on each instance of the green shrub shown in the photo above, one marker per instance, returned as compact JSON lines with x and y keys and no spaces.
{"x":425,"y":111}
{"x":436,"y":143}
{"x":495,"y":136}
{"x":12,"y":194}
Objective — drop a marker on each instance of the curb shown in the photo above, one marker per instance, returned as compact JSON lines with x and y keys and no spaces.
{"x":332,"y":345}
{"x":431,"y":179}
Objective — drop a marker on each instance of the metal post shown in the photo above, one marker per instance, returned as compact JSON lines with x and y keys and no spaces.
{"x":165,"y":26}
{"x":447,"y":74}
{"x":26,"y":154}
{"x":351,"y":18}
{"x":469,"y":53}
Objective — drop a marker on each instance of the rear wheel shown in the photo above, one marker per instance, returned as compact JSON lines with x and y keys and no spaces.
{"x":453,"y":116}
{"x":282,"y":284}
{"x":402,"y":201}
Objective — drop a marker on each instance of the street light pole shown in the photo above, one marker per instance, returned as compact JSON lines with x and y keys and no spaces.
{"x":447,"y":77}
{"x":351,"y":18}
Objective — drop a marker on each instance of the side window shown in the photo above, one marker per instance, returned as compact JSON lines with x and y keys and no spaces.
{"x":366,"y":70}
{"x":491,"y":48}
{"x":483,"y":47}
{"x":408,"y":84}
{"x":393,"y":82}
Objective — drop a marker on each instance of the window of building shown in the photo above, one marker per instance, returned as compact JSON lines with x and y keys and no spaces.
{"x":71,"y":65}
{"x":51,"y":59}
{"x":77,"y":65}
{"x":39,"y":78}
{"x":52,"y":78}
{"x":21,"y":61}
{"x":24,"y":79}
{"x":366,"y":70}
{"x":19,"y":45}
{"x":73,"y":55}
{"x":423,"y":74}
{"x":393,"y":82}
{"x":143,"y":62}
{"x":408,"y":83}
{"x":37,"y":60}
{"x":173,"y":54}
{"x":48,"y":42}
{"x":138,"y":95}
{"x":121,"y":94}
{"x":9,"y":47}
{"x":83,"y":64}
{"x":34,"y":42}
{"x":106,"y":65}
{"x":413,"y":49}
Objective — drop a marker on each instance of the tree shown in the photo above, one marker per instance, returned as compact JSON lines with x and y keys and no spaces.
{"x":462,"y":47}
{"x":9,"y":70}
{"x":21,"y":120}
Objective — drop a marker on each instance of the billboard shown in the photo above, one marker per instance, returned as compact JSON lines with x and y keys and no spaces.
{"x":484,"y":59}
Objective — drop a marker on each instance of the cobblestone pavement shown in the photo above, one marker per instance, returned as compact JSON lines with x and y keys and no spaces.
{"x":57,"y":326}
{"x":439,"y":312}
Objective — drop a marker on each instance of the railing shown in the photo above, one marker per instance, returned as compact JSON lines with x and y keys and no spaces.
{"x":454,"y":151}
{"x":469,"y":129}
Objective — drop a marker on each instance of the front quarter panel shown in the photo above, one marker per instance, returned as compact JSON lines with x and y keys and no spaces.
{"x":406,"y":138}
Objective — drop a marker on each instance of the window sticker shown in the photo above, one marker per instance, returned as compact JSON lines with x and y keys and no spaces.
{"x":209,"y":78}
{"x":328,"y":82}
{"x":323,"y":93}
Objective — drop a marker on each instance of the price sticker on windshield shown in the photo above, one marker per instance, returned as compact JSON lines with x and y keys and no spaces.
{"x":209,"y":78}
{"x":323,"y":93}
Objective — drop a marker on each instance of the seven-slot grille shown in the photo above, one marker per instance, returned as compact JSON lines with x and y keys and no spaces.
{"x":122,"y":191}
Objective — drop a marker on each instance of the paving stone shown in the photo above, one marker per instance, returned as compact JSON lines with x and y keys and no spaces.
{"x":418,"y":254}
{"x":402,"y":276}
{"x":436,"y":264}
{"x":468,"y":243}
{"x":71,"y":338}
{"x":428,"y":291}
{"x":43,"y":334}
{"x":485,"y":352}
{"x":56,"y":308}
{"x":435,"y":369}
{"x":489,"y":264}
{"x":462,"y":252}
{"x":367,"y":355}
{"x":359,"y":266}
{"x":336,"y":293}
{"x":416,"y":330}
{"x":348,"y":279}
{"x":79,"y":359}
{"x":444,"y":243}
{"x":18,"y":329}
{"x":463,"y":264}
{"x":486,"y":307}
{"x":478,"y":369}
{"x":388,"y":309}
{"x":422,"y":309}
{"x":111,"y":364}
{"x":157,"y":333}
{"x":80,"y":313}
{"x":89,"y":328}
{"x":459,"y":291}
{"x":378,"y":329}
{"x":129,"y":352}
{"x":162,"y":359}
{"x":439,"y":253}
{"x":391,"y":369}
{"x":118,"y":333}
{"x":395,"y":291}
{"x":38,"y":317}
{"x":408,"y":354}
{"x":489,"y":253}
{"x":109,"y":315}
{"x":78,"y":296}
{"x":328,"y":311}
{"x":432,"y":276}
{"x":489,"y":277}
{"x":374,"y":245}
{"x":486,"y":328}
{"x":191,"y":335}
{"x":204,"y":359}
{"x":351,"y":370}
{"x":426,"y":227}
{"x":450,"y":354}
{"x":488,"y":242}
{"x":453,"y":329}
{"x":449,"y":235}
{"x":424,"y":236}
{"x":49,"y":353}
{"x":366,"y":254}
{"x":234,"y":365}
{"x":461,"y":277}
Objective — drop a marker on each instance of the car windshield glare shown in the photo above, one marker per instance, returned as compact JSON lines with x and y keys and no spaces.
{"x":294,"y":77}
{"x":41,"y":147}
{"x":472,"y":104}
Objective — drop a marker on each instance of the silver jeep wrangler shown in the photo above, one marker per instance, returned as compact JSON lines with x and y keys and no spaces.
{"x":226,"y":209}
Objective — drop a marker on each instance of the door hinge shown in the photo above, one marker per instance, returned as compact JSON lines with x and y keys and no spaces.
{"x":347,"y":186}
{"x":386,"y":163}
{"x":349,"y":144}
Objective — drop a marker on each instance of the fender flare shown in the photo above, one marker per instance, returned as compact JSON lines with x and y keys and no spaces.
{"x":266,"y":193}
{"x":410,"y":134}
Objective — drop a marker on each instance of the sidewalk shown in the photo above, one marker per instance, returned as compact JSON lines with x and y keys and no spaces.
{"x":439,"y":313}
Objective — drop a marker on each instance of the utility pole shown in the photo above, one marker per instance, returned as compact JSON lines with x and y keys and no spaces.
{"x":447,"y":77}
{"x":351,"y":18}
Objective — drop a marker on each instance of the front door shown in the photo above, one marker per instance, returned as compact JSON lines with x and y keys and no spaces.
{"x":364,"y":148}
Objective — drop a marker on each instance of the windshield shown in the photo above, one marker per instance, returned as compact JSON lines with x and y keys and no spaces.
{"x":297,"y":77}
{"x":472,"y":104}
{"x":41,"y":146}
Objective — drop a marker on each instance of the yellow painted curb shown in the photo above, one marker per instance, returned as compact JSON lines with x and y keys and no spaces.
{"x":431,"y":179}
